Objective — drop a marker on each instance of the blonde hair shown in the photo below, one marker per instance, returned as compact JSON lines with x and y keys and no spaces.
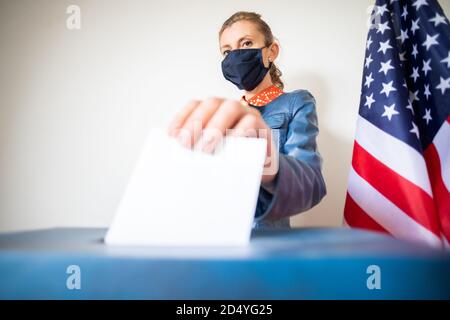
{"x":263,"y":27}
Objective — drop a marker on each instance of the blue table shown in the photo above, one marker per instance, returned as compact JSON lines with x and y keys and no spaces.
{"x":285,"y":264}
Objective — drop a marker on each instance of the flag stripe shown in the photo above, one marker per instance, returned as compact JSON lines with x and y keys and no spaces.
{"x":393,"y":152}
{"x":441,"y":141}
{"x":411,"y":199}
{"x":441,"y":194}
{"x":358,"y":218}
{"x":385,"y":213}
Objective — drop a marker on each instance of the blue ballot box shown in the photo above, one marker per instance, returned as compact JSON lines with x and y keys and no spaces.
{"x":322,"y":263}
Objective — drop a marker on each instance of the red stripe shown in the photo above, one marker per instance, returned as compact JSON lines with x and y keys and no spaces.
{"x":407,"y":196}
{"x":440,"y":192}
{"x":356,"y":217}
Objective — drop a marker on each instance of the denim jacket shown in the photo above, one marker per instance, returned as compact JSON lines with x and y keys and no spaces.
{"x":299,"y":184}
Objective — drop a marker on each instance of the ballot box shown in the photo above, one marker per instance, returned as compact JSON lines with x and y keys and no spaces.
{"x":312,"y":263}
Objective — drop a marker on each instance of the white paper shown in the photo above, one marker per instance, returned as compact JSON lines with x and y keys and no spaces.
{"x":182,"y":197}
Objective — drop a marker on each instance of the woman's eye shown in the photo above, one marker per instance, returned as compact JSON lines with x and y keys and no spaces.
{"x":247,"y":44}
{"x":226,"y":52}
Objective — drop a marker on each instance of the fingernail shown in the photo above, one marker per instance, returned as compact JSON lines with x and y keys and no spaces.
{"x":209,"y":147}
{"x":173,"y":132}
{"x":205,"y":139}
{"x":185,"y":140}
{"x":173,"y":129}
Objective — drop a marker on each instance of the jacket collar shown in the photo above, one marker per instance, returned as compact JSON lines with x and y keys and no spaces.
{"x":263,"y":97}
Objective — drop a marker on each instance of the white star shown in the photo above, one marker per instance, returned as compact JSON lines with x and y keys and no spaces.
{"x":387,"y":88}
{"x":414,"y":51}
{"x":381,"y":9}
{"x":415,"y":74}
{"x":382,"y":27}
{"x":410,"y":107}
{"x":369,"y":42}
{"x":415,"y":130}
{"x":369,"y":101}
{"x":438,"y":19}
{"x":404,"y":84}
{"x":427,"y":115}
{"x":413,"y":96}
{"x":369,"y":80}
{"x":385,"y":67}
{"x":415,"y":26}
{"x":402,"y":56}
{"x":384,"y":46}
{"x":447,"y":60}
{"x":389,"y":111}
{"x":369,"y":60}
{"x":427,"y":92}
{"x":431,"y":40}
{"x":426,"y":66}
{"x":403,"y":35}
{"x":420,"y":3}
{"x":443,"y":85}
{"x":405,"y":12}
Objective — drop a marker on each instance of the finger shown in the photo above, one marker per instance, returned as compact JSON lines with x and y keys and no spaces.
{"x":198,"y":120}
{"x":246,"y":127}
{"x":181,"y":116}
{"x":225,"y":118}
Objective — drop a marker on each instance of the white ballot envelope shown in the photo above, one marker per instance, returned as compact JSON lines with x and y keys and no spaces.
{"x":182,"y":197}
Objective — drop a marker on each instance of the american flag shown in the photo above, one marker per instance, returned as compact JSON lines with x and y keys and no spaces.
{"x":399,"y":180}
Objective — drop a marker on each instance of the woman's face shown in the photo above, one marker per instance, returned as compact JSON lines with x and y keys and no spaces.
{"x":243,"y":35}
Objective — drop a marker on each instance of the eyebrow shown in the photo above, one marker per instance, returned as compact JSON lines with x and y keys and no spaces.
{"x":239,"y":41}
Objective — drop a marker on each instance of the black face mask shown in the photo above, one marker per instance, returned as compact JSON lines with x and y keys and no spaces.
{"x":245,"y":68}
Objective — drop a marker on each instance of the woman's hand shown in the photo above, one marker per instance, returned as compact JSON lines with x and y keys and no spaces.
{"x":206,"y":122}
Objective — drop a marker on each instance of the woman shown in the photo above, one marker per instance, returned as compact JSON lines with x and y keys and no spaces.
{"x":287,"y":120}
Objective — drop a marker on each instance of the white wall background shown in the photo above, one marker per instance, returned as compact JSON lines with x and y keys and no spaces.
{"x":75,"y":105}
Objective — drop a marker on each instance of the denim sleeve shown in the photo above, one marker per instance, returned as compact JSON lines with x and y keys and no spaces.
{"x":299,"y":184}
